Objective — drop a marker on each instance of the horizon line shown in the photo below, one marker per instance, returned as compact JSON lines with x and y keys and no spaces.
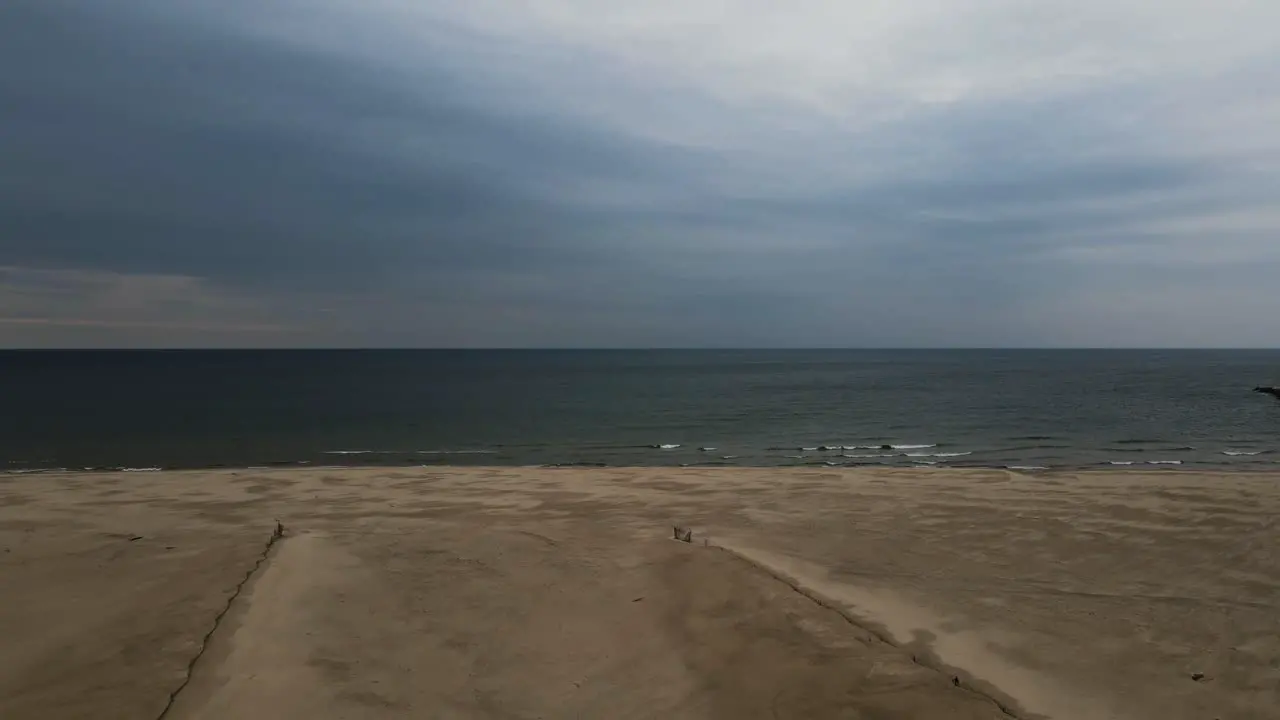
{"x":1020,"y":348}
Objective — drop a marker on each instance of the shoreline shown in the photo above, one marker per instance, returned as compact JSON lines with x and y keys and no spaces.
{"x":1258,"y":468}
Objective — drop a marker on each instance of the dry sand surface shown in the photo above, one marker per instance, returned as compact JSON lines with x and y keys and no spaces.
{"x":559,"y":593}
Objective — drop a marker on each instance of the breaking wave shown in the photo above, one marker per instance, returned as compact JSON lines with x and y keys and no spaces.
{"x":1144,"y":462}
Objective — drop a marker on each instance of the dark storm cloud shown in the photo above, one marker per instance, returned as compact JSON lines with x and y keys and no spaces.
{"x":137,"y":145}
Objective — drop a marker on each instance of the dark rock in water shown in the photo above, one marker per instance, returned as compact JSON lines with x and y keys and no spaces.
{"x":1272,"y":391}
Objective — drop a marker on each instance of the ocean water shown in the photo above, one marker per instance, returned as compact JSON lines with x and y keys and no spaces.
{"x":1013,"y":408}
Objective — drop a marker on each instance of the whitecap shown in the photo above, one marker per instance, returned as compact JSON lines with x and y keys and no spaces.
{"x":808,"y":449}
{"x":940,"y":455}
{"x":729,"y":457}
{"x":665,"y":447}
{"x":1241,"y":452}
{"x":876,"y":455}
{"x":911,"y":447}
{"x":143,"y":469}
{"x":457,"y":452}
{"x":1027,"y":467}
{"x":1147,"y":462}
{"x":348,"y":452}
{"x":707,"y":449}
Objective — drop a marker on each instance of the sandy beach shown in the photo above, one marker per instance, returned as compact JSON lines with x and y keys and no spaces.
{"x":556,"y":593}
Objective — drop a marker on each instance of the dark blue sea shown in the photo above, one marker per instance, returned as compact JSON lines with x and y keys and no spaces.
{"x":1004,"y":408}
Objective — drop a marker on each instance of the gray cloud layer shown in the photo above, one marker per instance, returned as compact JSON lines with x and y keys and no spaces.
{"x":383,"y":173}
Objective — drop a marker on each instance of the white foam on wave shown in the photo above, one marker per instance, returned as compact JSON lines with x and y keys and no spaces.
{"x":1027,"y":467}
{"x":1241,"y":452}
{"x":707,"y":449}
{"x":911,"y":447}
{"x":144,"y":469}
{"x":34,"y":471}
{"x":728,"y":457}
{"x":874,"y":455}
{"x":809,"y":449}
{"x":666,"y":447}
{"x":940,"y":455}
{"x":925,"y":462}
{"x":1145,"y":462}
{"x":348,"y":452}
{"x":457,"y":452}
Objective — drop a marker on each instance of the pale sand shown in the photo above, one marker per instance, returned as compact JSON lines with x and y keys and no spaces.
{"x":526,"y":593}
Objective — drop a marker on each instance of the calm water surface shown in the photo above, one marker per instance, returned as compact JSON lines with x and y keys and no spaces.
{"x":988,"y":408}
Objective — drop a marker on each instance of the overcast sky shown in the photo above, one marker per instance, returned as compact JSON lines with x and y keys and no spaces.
{"x":578,"y":173}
